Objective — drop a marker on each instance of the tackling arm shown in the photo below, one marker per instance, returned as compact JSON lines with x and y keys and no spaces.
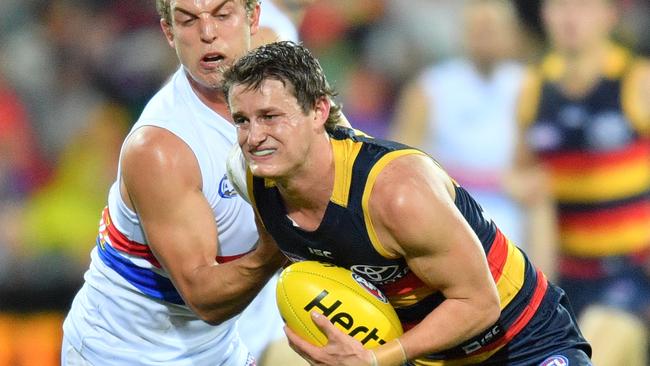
{"x":181,"y":230}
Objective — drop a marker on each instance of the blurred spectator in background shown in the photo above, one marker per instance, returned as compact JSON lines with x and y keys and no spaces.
{"x":62,"y":60}
{"x":462,"y":111}
{"x":339,"y":32}
{"x":585,"y":119}
{"x":55,"y":53}
{"x":25,"y":336}
{"x":413,"y":33}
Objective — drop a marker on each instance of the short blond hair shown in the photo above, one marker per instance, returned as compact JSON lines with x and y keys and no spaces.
{"x":164,"y":8}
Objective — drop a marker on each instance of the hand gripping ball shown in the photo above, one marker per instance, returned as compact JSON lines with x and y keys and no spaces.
{"x":349,"y":301}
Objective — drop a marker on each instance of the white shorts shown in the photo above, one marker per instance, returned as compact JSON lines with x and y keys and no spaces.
{"x":118,"y":325}
{"x":261,"y":324}
{"x":70,"y":356}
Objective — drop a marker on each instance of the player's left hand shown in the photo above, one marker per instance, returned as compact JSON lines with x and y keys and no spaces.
{"x":340,"y":350}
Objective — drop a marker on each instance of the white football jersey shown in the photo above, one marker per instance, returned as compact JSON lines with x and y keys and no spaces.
{"x":128,"y":311}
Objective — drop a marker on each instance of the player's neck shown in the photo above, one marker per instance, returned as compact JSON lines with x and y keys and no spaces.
{"x":583,"y":68}
{"x":212,"y":97}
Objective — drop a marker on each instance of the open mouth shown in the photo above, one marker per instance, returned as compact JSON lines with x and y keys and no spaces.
{"x":212,"y":60}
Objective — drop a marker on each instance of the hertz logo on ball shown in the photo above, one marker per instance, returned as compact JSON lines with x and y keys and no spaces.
{"x":352,"y":304}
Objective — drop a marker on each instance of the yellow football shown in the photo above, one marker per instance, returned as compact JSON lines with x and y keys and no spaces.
{"x":349,"y":301}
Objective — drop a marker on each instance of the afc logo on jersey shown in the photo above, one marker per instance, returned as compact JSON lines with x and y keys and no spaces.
{"x":372,"y":289}
{"x":557,"y":360}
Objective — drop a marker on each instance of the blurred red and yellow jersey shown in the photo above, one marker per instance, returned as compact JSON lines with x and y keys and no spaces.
{"x":596,"y":149}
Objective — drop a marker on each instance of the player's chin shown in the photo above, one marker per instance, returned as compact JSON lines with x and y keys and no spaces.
{"x":212,"y":77}
{"x":215,"y":80}
{"x":265,"y":171}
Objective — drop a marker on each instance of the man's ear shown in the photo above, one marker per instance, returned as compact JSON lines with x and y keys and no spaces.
{"x":322,"y":111}
{"x":255,"y":19}
{"x":167,"y":30}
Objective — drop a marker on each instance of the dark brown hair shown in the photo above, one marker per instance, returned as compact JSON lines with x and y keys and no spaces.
{"x":294,"y":66}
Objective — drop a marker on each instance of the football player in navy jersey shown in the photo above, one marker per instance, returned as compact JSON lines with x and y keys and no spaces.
{"x":463,"y":292}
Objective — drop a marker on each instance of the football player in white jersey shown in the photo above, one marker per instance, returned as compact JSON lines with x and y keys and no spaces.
{"x":475,"y":91}
{"x":178,"y":256}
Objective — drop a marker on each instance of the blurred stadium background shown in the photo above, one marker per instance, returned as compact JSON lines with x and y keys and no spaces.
{"x":74,"y":75}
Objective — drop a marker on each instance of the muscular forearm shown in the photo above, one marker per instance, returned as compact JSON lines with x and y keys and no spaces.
{"x":450,"y":324}
{"x":218,"y":292}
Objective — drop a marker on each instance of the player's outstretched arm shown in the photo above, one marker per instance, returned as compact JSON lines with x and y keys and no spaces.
{"x":162,"y":182}
{"x":412,"y":208}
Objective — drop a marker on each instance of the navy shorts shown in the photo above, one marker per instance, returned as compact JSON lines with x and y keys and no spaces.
{"x":551,"y":338}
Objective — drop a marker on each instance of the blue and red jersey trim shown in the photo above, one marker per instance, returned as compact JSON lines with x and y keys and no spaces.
{"x":112,"y":244}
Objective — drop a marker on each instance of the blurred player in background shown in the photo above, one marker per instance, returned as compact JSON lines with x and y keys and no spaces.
{"x":464,"y":293}
{"x":462,"y":111}
{"x":585,"y":121}
{"x":178,"y":255}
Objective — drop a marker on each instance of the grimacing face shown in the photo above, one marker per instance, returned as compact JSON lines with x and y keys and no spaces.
{"x":573,"y":25}
{"x":274,"y":133}
{"x":209,"y":36}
